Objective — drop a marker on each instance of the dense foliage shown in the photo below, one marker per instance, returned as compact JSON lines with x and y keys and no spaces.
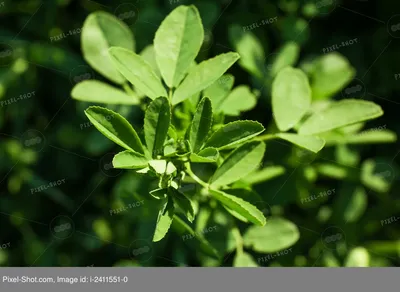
{"x":201,"y":136}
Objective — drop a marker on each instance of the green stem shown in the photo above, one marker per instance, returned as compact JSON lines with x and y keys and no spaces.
{"x":128,"y":89}
{"x":170,"y":94}
{"x":265,"y":137}
{"x":195,"y":177}
{"x":239,"y":240}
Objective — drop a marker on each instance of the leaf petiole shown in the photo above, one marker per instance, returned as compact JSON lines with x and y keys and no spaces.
{"x":128,"y":89}
{"x":195,"y":177}
{"x":238,"y":239}
{"x":265,"y":137}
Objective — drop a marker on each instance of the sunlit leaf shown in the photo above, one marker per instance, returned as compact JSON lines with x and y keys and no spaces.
{"x":99,"y":92}
{"x":138,"y":72}
{"x":164,"y":220}
{"x":156,"y":125}
{"x":115,"y":127}
{"x":203,"y":75}
{"x":129,"y":160}
{"x":311,"y":143}
{"x":201,"y":124}
{"x":244,"y":260}
{"x":340,"y":114}
{"x":291,"y":97}
{"x":240,"y":163}
{"x":101,"y":31}
{"x":177,"y":42}
{"x":234,"y":133}
{"x":240,"y":206}
{"x":276,"y":235}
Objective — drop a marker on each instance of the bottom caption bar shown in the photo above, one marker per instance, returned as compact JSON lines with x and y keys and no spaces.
{"x":197,"y":279}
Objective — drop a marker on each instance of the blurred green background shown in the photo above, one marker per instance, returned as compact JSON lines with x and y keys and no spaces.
{"x":62,"y":205}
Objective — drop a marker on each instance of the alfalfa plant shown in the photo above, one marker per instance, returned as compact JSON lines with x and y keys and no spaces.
{"x":184,"y":124}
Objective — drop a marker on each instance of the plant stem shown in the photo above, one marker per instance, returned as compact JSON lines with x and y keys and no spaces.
{"x":195,"y":177}
{"x":128,"y":89}
{"x":239,"y":240}
{"x":265,"y":137}
{"x":170,"y":94}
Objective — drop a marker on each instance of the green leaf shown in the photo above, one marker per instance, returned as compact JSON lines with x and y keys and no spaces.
{"x":201,"y":124}
{"x":358,"y":257}
{"x":183,"y":202}
{"x":115,"y":127}
{"x":338,"y":172}
{"x":371,"y":136}
{"x":156,"y":125}
{"x":247,"y":196}
{"x":351,"y":203}
{"x":241,"y":99}
{"x":291,"y":97}
{"x":138,"y":72}
{"x":207,"y":155}
{"x":295,"y":29}
{"x":203,"y":75}
{"x":193,"y":101}
{"x":239,"y":163}
{"x":377,"y":176}
{"x":158,"y":166}
{"x":148,"y":54}
{"x":234,"y":133}
{"x":129,"y":160}
{"x":159,"y":194}
{"x":265,"y":174}
{"x":240,"y":206}
{"x":340,"y":114}
{"x":384,"y":247}
{"x":102,"y":30}
{"x":287,"y":56}
{"x":251,"y":52}
{"x":312,"y":143}
{"x":219,"y":90}
{"x":164,"y":220}
{"x":277,"y":235}
{"x":177,"y":42}
{"x":330,"y":260}
{"x":244,"y":260}
{"x":330,"y":74}
{"x":184,"y":230}
{"x":100,"y":92}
